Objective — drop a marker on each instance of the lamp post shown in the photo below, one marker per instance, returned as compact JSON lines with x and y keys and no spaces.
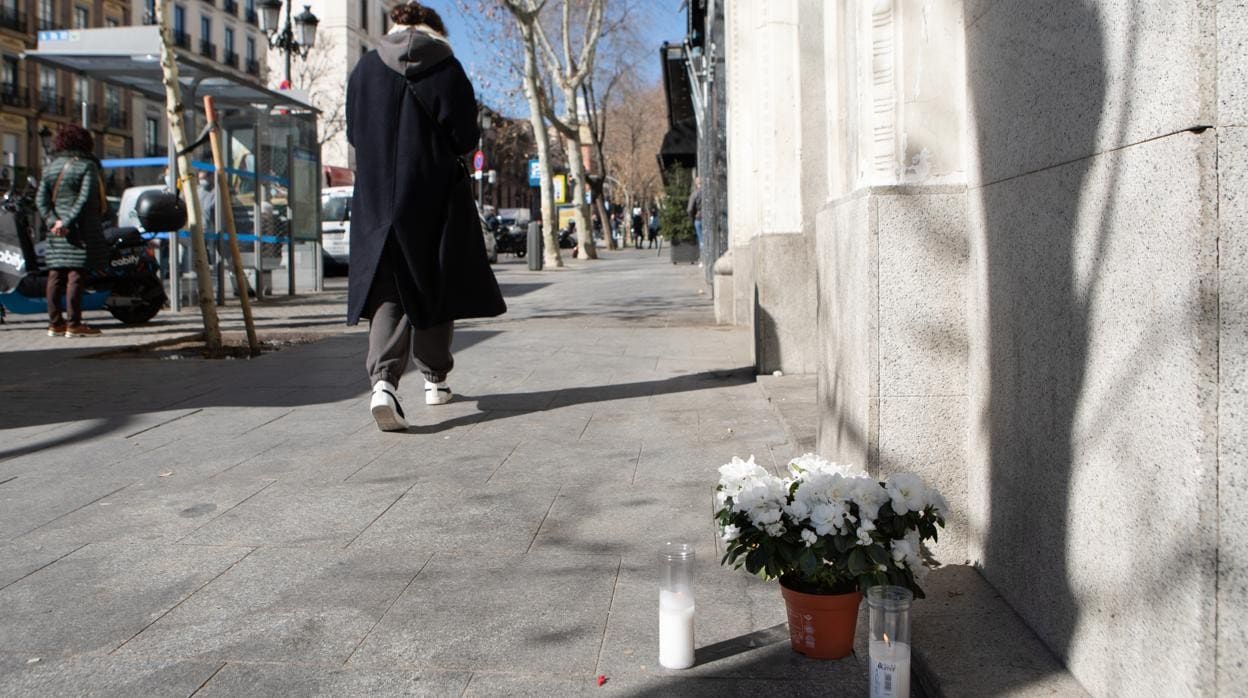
{"x":45,"y":142}
{"x":291,"y":40}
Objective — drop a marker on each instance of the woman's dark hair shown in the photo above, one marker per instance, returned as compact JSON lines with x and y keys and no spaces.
{"x":412,"y":13}
{"x":73,"y":137}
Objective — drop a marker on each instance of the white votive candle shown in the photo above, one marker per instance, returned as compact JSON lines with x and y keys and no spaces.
{"x":890,"y":669}
{"x":675,"y":629}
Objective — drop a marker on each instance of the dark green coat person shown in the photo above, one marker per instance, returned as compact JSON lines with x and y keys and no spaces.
{"x":72,"y":204}
{"x":78,"y":206}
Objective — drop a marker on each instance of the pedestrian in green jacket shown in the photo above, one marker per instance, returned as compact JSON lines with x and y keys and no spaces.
{"x":71,"y":202}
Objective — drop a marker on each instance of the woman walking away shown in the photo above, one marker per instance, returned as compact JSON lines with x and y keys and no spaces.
{"x":72,"y":203}
{"x":418,"y":259}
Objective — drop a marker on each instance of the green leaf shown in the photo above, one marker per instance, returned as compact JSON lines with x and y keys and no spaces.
{"x":858,"y":562}
{"x":878,"y":554}
{"x":809,"y":563}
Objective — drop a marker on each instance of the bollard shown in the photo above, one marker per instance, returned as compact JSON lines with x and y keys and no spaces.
{"x":535,"y":247}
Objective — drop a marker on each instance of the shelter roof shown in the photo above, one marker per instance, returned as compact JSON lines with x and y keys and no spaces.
{"x":130,"y":57}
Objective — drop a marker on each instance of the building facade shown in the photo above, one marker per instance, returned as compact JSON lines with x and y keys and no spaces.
{"x":1008,"y":239}
{"x":39,"y":98}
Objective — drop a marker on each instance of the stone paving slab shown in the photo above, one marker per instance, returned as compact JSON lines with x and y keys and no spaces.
{"x":465,"y":611}
{"x":153,"y":510}
{"x":292,"y":513}
{"x":284,"y":606}
{"x":100,"y":596}
{"x":263,"y":680}
{"x":22,"y":558}
{"x":101,"y":676}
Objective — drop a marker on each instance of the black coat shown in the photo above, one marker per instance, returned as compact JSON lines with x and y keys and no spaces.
{"x":411,"y":112}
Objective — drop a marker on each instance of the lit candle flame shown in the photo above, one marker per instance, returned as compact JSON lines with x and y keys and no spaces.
{"x":887,"y":641}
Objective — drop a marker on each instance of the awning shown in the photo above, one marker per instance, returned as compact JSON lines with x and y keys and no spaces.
{"x":680,"y":147}
{"x":130,"y":57}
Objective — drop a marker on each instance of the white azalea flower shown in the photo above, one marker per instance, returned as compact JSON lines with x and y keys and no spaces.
{"x":809,"y":536}
{"x":730,"y":533}
{"x":864,"y":537}
{"x":907,"y":492}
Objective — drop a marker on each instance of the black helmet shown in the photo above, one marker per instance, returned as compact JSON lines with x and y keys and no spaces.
{"x":160,"y":211}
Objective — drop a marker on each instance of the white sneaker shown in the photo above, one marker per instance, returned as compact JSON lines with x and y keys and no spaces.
{"x":437,"y":393}
{"x":386,"y":409}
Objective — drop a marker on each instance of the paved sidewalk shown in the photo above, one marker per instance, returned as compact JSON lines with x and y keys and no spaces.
{"x":242,"y":528}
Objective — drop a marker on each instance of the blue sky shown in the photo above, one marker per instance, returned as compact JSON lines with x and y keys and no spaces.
{"x":664,"y":21}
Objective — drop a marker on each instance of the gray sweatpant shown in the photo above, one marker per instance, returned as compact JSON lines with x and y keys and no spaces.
{"x":392,"y":339}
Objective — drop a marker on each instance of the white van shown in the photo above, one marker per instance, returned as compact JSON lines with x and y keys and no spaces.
{"x":336,"y":223}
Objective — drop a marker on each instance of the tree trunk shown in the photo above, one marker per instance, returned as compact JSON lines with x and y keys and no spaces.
{"x":576,"y":170}
{"x":628,"y":218}
{"x":550,"y":243}
{"x":177,"y":135}
{"x":596,"y":194}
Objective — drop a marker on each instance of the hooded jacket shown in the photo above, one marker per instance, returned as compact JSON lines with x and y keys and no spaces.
{"x":411,"y":112}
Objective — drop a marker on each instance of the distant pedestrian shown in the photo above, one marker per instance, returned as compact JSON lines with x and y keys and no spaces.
{"x":652,"y":229}
{"x":418,"y":259}
{"x":695,"y":209}
{"x":72,"y":202}
{"x":638,"y":227}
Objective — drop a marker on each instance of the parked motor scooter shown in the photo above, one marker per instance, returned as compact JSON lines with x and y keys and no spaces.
{"x":511,"y":240}
{"x":128,"y":286}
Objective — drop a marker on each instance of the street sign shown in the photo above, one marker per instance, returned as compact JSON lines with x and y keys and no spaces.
{"x":478,"y":161}
{"x":535,"y":173}
{"x":561,"y":188}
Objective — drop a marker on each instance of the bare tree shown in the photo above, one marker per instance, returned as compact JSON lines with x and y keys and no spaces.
{"x":319,"y":77}
{"x":187,"y":181}
{"x":632,"y":145}
{"x":569,"y":66}
{"x":526,"y":14}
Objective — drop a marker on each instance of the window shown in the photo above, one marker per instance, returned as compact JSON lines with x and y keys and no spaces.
{"x":47,"y":87}
{"x":384,"y":24}
{"x":82,"y":17}
{"x":251,"y":49}
{"x":205,"y":28}
{"x":229,"y":40}
{"x":179,"y":19}
{"x":151,"y":136}
{"x":47,"y":14}
{"x":250,"y":7}
{"x":149,"y":11}
{"x":364,"y":15}
{"x":8,"y":75}
{"x":10,"y":152}
{"x":112,"y":101}
{"x":82,"y":90}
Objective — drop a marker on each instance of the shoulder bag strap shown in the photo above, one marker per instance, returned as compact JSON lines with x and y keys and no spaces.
{"x":57,"y":186}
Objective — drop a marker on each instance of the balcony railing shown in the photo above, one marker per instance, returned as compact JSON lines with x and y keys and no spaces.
{"x":181,"y":39}
{"x":230,"y":58}
{"x":49,"y":103}
{"x":153,"y":151}
{"x":207,"y":49}
{"x":253,"y":67}
{"x":12,"y":19}
{"x":230,"y":7}
{"x":13,"y":96}
{"x":117,"y":118}
{"x":49,"y":24}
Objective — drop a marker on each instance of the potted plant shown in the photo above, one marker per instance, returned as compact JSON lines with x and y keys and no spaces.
{"x":828,"y":534}
{"x":674,"y":222}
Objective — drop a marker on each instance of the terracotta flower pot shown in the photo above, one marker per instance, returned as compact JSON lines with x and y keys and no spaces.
{"x":822,"y":626}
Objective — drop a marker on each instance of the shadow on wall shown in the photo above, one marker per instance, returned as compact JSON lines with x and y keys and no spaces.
{"x":1034,"y":95}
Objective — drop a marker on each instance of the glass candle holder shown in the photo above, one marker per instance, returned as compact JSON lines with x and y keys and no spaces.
{"x":676,"y":606}
{"x":889,"y":611}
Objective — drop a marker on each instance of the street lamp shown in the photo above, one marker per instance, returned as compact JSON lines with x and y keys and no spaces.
{"x":298,"y":39}
{"x":45,"y":141}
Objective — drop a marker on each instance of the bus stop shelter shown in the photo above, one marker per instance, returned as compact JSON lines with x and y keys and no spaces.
{"x":269,"y":137}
